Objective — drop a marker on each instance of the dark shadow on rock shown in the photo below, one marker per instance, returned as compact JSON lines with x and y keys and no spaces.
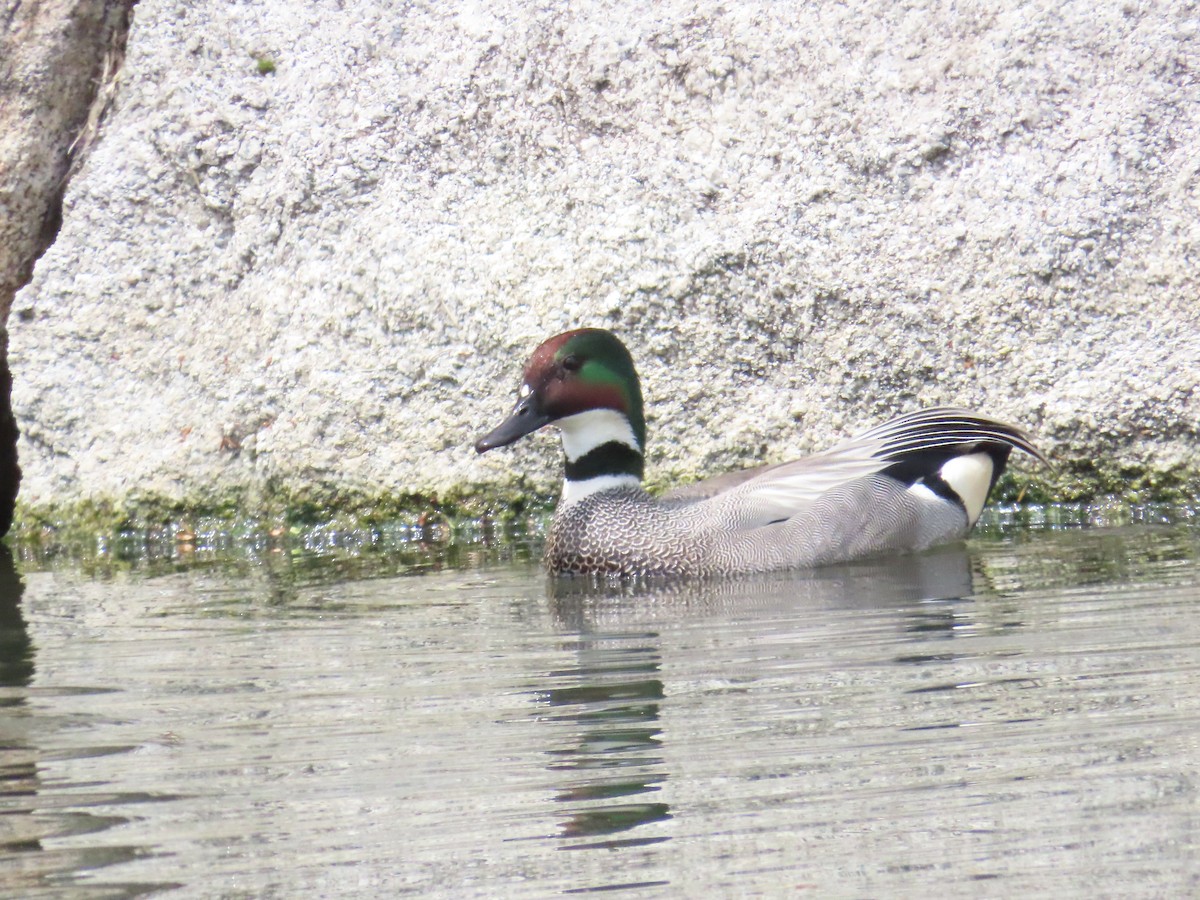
{"x":10,"y":471}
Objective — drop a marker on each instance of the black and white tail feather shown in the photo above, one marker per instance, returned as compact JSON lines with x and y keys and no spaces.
{"x":954,"y":454}
{"x":944,"y":455}
{"x":943,"y":428}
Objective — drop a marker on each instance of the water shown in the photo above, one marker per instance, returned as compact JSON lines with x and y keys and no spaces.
{"x":1016,"y":717}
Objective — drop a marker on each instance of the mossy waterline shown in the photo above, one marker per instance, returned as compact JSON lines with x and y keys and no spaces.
{"x":324,"y":517}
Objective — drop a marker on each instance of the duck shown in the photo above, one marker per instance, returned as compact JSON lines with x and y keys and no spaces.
{"x":917,"y":481}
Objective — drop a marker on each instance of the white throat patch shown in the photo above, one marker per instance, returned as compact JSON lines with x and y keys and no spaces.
{"x":586,"y":431}
{"x":574,"y":491}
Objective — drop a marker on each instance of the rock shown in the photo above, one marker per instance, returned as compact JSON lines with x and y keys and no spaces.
{"x":53,"y":58}
{"x":313,"y":246}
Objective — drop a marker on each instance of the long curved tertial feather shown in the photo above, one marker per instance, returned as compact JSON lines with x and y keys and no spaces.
{"x":942,"y":428}
{"x":774,"y":493}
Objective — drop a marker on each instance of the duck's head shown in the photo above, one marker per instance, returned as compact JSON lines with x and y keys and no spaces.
{"x":584,"y":383}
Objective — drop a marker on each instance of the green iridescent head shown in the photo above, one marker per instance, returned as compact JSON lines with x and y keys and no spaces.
{"x":571,"y":373}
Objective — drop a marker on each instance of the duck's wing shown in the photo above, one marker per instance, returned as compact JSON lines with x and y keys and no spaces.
{"x":954,"y":454}
{"x":718,"y":484}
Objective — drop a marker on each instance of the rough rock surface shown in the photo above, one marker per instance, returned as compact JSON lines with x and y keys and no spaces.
{"x":314,"y":242}
{"x":52,"y":61}
{"x":50,"y":57}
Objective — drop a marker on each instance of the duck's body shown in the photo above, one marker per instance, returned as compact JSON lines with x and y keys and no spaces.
{"x":912,"y":483}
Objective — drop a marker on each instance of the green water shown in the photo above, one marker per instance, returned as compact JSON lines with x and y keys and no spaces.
{"x":373,"y":715}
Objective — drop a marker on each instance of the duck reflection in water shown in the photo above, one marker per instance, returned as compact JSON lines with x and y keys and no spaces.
{"x":616,"y":694}
{"x":613,"y":698}
{"x":589,"y":603}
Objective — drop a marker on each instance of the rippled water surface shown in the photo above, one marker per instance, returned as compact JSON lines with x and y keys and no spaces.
{"x":1019,"y":716}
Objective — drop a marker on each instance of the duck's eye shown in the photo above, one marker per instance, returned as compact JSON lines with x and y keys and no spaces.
{"x":572,"y":363}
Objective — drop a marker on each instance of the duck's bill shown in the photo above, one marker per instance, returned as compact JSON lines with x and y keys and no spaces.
{"x":526,"y":418}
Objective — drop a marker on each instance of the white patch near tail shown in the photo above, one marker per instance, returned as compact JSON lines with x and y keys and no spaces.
{"x":574,"y":491}
{"x":970,"y":477}
{"x":586,"y":431}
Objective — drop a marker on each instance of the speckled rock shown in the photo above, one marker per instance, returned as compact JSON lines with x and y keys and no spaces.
{"x":54,"y":59}
{"x":51,"y":56}
{"x":313,"y":245}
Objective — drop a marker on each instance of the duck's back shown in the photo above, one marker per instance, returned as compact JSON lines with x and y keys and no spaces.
{"x":869,"y":516}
